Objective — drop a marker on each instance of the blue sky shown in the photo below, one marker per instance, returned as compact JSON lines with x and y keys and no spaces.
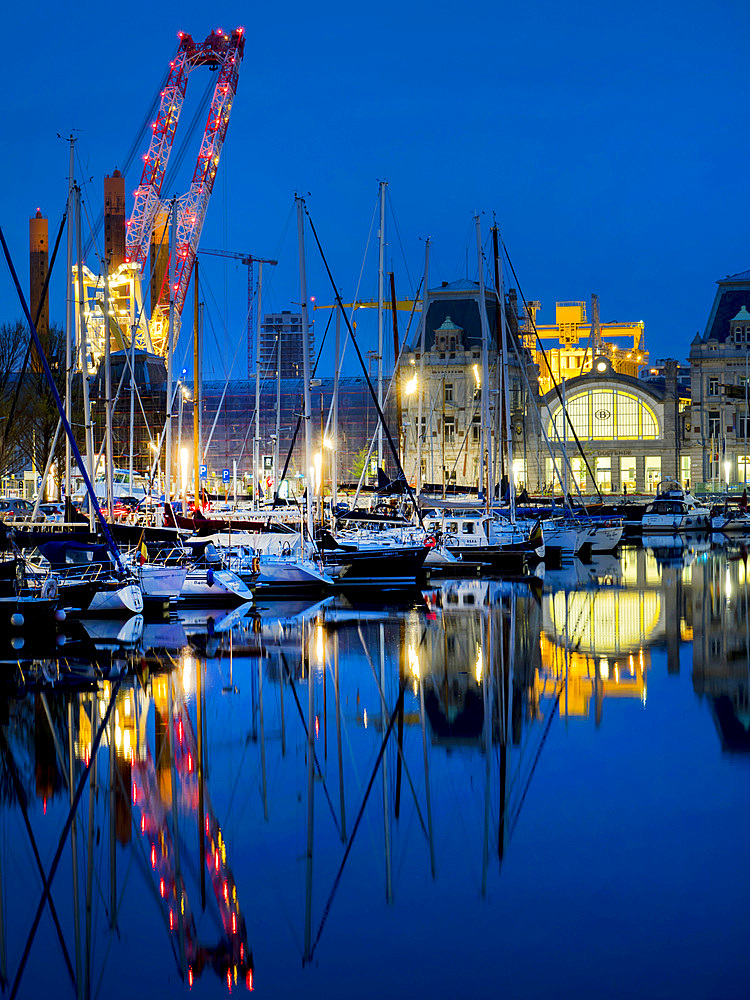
{"x":611,"y":144}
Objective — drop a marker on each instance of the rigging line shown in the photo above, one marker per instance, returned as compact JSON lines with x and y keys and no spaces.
{"x":389,"y":202}
{"x":549,"y":369}
{"x":135,"y":145}
{"x":350,"y":842}
{"x":516,"y":815}
{"x":391,"y":384}
{"x":355,"y":300}
{"x":386,"y":429}
{"x":227,"y":374}
{"x":263,"y":381}
{"x":400,"y":352}
{"x":66,"y":829}
{"x":21,"y":797}
{"x":545,"y":435}
{"x":43,"y":296}
{"x":299,"y":418}
{"x":400,"y":749}
{"x":111,"y":544}
{"x":304,"y":726}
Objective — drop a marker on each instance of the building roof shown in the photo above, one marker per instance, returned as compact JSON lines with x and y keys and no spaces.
{"x":731,"y":295}
{"x":448,"y":326}
{"x":743,"y":315}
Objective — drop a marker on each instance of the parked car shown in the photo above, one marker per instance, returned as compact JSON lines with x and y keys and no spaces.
{"x":15,"y":508}
{"x":53,"y":511}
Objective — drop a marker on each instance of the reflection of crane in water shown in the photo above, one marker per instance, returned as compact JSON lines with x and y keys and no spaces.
{"x":231,"y":958}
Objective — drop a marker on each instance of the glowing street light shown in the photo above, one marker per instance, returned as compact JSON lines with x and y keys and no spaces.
{"x":411,"y":386}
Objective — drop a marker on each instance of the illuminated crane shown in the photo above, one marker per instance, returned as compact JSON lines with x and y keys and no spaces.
{"x":219,"y":51}
{"x":247,"y":259}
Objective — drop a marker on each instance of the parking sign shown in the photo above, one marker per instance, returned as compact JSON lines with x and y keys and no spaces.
{"x":225,"y":475}
{"x":203,"y":471}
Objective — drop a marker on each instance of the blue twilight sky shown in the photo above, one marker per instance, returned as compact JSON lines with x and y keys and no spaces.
{"x":611,"y":143}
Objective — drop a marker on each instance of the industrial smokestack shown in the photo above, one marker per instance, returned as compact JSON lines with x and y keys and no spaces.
{"x":38,"y":266}
{"x":114,"y":220}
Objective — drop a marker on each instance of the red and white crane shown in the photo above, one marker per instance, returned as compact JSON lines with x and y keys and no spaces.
{"x":222,"y":52}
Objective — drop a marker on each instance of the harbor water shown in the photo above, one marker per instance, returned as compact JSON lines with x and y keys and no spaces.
{"x":532,"y":788}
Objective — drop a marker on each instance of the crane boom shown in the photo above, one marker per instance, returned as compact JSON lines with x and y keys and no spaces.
{"x":219,"y":51}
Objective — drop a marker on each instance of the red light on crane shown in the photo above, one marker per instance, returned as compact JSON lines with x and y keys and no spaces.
{"x":249,"y":980}
{"x":153,"y":855}
{"x":190,"y":976}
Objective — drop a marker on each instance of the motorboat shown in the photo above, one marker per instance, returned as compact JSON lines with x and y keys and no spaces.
{"x":674,"y":509}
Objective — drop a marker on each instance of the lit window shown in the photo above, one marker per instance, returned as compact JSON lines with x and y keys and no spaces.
{"x":607,"y":414}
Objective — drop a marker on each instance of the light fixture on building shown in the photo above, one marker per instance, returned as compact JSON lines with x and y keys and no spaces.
{"x":601,"y":366}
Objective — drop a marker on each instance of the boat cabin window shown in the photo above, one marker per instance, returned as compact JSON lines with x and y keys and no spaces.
{"x":78,"y":557}
{"x":468,"y":528}
{"x":453,"y":527}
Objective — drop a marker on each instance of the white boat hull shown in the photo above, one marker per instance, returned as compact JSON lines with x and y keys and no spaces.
{"x":125,"y":600}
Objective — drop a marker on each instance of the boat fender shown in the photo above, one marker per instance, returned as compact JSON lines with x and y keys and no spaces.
{"x":60,"y":640}
{"x":16,"y":619}
{"x":210,"y":577}
{"x":430,"y":542}
{"x":60,"y":615}
{"x":256,"y":564}
{"x":17,"y":642}
{"x":49,"y":590}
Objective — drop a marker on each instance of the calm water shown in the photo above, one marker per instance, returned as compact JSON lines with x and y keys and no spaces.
{"x":487,"y":789}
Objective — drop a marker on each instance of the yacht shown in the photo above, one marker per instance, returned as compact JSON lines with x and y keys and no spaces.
{"x":675,"y":510}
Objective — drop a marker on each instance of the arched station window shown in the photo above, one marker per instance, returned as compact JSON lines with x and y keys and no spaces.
{"x":607,"y":415}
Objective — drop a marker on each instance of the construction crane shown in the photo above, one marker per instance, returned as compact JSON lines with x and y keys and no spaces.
{"x":221,"y":52}
{"x":247,"y":259}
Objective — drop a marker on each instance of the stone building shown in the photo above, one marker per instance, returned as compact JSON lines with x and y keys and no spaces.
{"x":449,"y":380}
{"x":716,"y":428}
{"x":629,"y":432}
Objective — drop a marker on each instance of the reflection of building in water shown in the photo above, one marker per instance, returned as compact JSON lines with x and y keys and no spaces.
{"x":721,"y":646}
{"x":486,"y":632}
{"x":596,"y":642}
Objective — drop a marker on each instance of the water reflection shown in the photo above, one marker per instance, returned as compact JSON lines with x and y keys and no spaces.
{"x":216,"y":788}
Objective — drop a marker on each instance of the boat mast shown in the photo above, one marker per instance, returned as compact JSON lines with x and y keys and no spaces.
{"x":334,"y":449}
{"x":256,"y":439}
{"x":381,"y":256}
{"x":485,"y":388}
{"x":305,"y":365}
{"x":276,"y":484}
{"x":170,"y":351}
{"x":69,"y":314}
{"x":108,"y":393}
{"x":83,"y":343}
{"x":132,"y":384}
{"x":196,"y":392}
{"x":504,"y":360}
{"x":420,"y":387}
